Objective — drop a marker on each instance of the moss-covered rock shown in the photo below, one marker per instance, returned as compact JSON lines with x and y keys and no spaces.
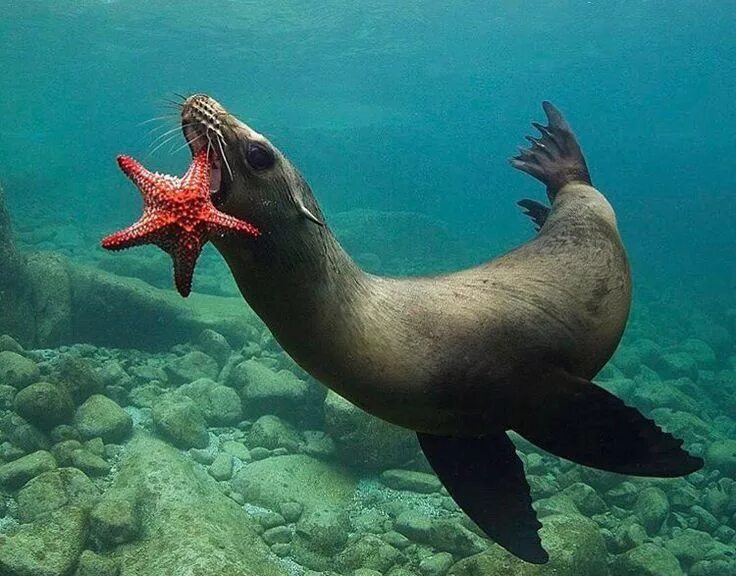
{"x":180,"y":421}
{"x":721,"y":455}
{"x":100,"y":417}
{"x":220,"y":405}
{"x":44,"y":404}
{"x":48,"y":548}
{"x":190,"y":367}
{"x":273,"y":432}
{"x":363,"y":441}
{"x":652,"y":507}
{"x":646,"y":560}
{"x":17,"y":371}
{"x":274,"y":481}
{"x":190,"y":526}
{"x":53,"y":490}
{"x":114,"y":520}
{"x":16,"y":473}
{"x":411,"y":480}
{"x":91,"y":564}
{"x":90,"y":463}
{"x":320,"y":534}
{"x":80,"y":378}
{"x":575,"y":548}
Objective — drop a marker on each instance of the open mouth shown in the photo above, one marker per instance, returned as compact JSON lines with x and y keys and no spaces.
{"x":201,"y":118}
{"x":198,"y":139}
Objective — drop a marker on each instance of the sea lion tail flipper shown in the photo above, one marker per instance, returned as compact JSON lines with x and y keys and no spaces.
{"x":555,"y":158}
{"x":537,"y":211}
{"x":486,"y":479}
{"x":580,"y":421}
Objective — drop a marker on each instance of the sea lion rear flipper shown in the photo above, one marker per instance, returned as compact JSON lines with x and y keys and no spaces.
{"x":580,"y":421}
{"x":537,"y":211}
{"x":486,"y":479}
{"x":555,"y":158}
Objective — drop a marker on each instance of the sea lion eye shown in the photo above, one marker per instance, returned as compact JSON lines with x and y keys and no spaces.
{"x":259,"y":157}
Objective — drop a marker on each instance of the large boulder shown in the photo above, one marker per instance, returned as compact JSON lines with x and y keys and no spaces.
{"x":574,"y":544}
{"x":364,"y":441}
{"x":190,"y":526}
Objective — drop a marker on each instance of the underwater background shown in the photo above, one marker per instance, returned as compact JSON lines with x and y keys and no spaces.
{"x":144,"y":434}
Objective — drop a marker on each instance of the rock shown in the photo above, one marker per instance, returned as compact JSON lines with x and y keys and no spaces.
{"x":368,"y":552}
{"x":646,"y":560}
{"x":17,"y":371}
{"x":705,"y":520}
{"x":267,"y":391}
{"x":624,"y":495}
{"x":275,"y":481}
{"x":215,"y":345}
{"x":363,"y":441}
{"x":717,"y":567}
{"x":44,"y":405}
{"x":271,"y":520}
{"x":48,"y":548}
{"x":574,"y":544}
{"x":63,"y":451}
{"x":64,"y":432}
{"x":411,"y":480}
{"x":191,"y":527}
{"x":219,"y":404}
{"x":702,"y":353}
{"x":222,"y":467}
{"x":20,"y":471}
{"x":90,"y":463}
{"x":91,"y":564}
{"x":291,"y":511}
{"x":320,"y":531}
{"x":721,"y":455}
{"x":236,"y":450}
{"x":690,"y":545}
{"x":652,"y":508}
{"x":585,"y":498}
{"x":101,"y":417}
{"x":179,"y":420}
{"x":677,"y":365}
{"x":450,"y":536}
{"x":414,"y":525}
{"x":80,"y":379}
{"x":114,"y":521}
{"x":10,"y":344}
{"x":272,"y":432}
{"x":146,"y":395}
{"x":436,"y":565}
{"x":191,"y":367}
{"x":277,"y":535}
{"x":7,"y":396}
{"x":52,"y":490}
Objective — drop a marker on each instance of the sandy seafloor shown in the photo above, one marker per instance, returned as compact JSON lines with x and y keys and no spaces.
{"x":214,"y":457}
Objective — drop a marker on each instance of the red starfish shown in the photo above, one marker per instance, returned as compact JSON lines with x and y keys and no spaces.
{"x":178,"y":216}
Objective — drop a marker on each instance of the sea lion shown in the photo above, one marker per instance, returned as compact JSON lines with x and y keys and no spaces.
{"x":461,"y":358}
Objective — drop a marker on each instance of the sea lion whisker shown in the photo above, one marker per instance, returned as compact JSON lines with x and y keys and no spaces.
{"x":187,"y":143}
{"x":163,"y":143}
{"x":219,"y":139}
{"x":164,"y":134}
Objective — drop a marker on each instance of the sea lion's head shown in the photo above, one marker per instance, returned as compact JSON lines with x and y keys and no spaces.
{"x":251,"y":178}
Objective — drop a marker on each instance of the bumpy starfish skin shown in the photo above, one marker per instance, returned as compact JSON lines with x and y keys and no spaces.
{"x":178,"y":216}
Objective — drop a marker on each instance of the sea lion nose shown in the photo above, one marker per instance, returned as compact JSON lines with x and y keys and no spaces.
{"x":202,"y":109}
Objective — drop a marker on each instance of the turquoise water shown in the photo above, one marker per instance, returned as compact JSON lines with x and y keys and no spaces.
{"x":401,"y":116}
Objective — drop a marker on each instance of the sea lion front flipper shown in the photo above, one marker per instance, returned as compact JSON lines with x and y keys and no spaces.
{"x":486,"y":479}
{"x":537,"y":211}
{"x":555,"y":158}
{"x":575,"y":419}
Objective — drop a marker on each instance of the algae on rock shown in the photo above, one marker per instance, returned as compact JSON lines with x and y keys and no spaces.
{"x":187,"y":525}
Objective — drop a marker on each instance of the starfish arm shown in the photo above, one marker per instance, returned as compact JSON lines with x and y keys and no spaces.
{"x":151,"y":184}
{"x":222,"y":222}
{"x":184,"y":256}
{"x":198,"y":174}
{"x":142,"y":232}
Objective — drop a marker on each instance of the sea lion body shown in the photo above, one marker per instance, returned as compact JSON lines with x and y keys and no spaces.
{"x":460,"y":358}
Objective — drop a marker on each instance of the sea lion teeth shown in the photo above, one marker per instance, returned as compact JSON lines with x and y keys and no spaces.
{"x":461,"y":358}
